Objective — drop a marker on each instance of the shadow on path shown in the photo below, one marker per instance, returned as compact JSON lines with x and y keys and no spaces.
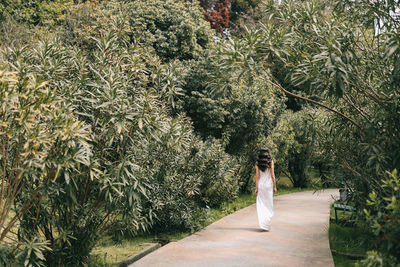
{"x":251,"y":229}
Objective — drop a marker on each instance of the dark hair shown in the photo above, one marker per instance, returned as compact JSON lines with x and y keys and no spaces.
{"x":264,"y":159}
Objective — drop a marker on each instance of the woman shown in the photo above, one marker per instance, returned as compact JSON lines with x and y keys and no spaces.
{"x":265,"y":186}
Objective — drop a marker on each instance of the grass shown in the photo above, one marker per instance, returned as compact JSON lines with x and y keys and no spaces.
{"x":227,"y":208}
{"x":284,"y":182}
{"x":110,"y":253}
{"x":347,"y":238}
{"x":107,"y":253}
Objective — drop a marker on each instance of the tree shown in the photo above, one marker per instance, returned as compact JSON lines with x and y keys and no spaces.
{"x":173,"y":29}
{"x":293,"y":142}
{"x":229,"y":105}
{"x":330,"y":57}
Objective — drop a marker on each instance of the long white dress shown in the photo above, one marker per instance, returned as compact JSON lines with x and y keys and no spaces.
{"x":265,"y":205}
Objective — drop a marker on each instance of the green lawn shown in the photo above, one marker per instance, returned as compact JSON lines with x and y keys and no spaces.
{"x":110,"y":253}
{"x":284,"y":182}
{"x":347,"y":239}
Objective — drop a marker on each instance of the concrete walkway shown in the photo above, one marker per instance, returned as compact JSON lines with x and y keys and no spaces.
{"x":299,"y":237}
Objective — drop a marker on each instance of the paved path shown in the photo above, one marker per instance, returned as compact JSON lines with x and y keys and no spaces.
{"x":299,"y":237}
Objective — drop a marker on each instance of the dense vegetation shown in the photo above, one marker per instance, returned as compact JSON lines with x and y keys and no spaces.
{"x":132,"y":116}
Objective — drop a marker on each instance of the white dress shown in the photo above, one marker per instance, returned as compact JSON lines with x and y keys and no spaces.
{"x":265,"y":205}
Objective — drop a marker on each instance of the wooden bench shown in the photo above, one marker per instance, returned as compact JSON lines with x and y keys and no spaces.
{"x":343,"y":207}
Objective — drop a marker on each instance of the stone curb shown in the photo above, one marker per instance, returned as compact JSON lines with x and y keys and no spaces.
{"x":350,"y":255}
{"x":138,"y":255}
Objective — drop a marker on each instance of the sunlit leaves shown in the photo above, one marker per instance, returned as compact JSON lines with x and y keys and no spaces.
{"x":40,"y":139}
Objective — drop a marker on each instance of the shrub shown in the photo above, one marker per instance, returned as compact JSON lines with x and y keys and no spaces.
{"x":175,"y":29}
{"x":383,"y":216}
{"x":90,"y":19}
{"x":217,"y":172}
{"x":142,"y":169}
{"x":42,"y":141}
{"x":45,"y":12}
{"x":293,"y":143}
{"x":81,"y":202}
{"x":183,"y":175}
{"x":226,"y":105}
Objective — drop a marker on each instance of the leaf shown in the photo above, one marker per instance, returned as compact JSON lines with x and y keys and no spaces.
{"x":57,"y":173}
{"x":66,"y":176}
{"x":140,"y":123}
{"x":393,"y":47}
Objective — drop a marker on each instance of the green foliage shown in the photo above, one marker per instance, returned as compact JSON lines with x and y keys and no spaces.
{"x":90,"y":19}
{"x":306,"y":48}
{"x":216,"y":170}
{"x":32,"y":252}
{"x":146,"y":122}
{"x":383,"y":216}
{"x":24,"y":253}
{"x":41,"y":141}
{"x":241,"y":7}
{"x":238,"y":118}
{"x":175,"y":29}
{"x":6,"y":257}
{"x":332,"y":58}
{"x":43,"y":12}
{"x":185,"y":175}
{"x":349,"y":242}
{"x":227,"y":104}
{"x":224,"y":101}
{"x":97,"y":85}
{"x":13,"y":33}
{"x":293,"y":143}
{"x":376,"y":259}
{"x":136,"y":167}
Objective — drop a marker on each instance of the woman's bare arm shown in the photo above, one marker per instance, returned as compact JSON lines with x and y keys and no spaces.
{"x":257,"y":179}
{"x":273,"y":175}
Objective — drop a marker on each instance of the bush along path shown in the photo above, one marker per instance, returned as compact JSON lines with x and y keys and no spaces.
{"x":299,"y":237}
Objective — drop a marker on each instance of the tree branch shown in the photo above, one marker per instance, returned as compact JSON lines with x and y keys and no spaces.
{"x":277,"y":84}
{"x":359,"y":110}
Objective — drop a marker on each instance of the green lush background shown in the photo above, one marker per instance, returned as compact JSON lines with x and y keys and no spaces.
{"x":121,"y":119}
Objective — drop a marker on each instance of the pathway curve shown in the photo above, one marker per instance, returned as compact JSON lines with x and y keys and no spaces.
{"x":298,"y":237}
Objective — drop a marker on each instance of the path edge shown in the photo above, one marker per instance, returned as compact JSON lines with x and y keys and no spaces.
{"x":138,"y":255}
